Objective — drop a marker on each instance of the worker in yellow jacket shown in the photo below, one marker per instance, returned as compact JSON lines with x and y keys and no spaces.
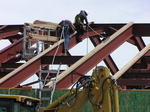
{"x":80,"y":21}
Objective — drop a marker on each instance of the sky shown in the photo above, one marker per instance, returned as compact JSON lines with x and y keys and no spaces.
{"x":100,"y":11}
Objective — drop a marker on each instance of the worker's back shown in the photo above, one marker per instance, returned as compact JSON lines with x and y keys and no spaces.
{"x":66,"y":27}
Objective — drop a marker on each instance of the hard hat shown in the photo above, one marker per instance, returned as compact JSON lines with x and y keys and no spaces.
{"x":83,"y":12}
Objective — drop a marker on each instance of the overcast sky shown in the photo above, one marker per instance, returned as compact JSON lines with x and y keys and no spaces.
{"x":99,"y":11}
{"x":114,"y":11}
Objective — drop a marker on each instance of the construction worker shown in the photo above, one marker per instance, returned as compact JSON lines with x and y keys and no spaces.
{"x":80,"y":20}
{"x":67,"y":29}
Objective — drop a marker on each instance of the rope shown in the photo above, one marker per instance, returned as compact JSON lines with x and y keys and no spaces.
{"x":96,"y":32}
{"x":54,"y":55}
{"x":87,"y":44}
{"x":54,"y":85}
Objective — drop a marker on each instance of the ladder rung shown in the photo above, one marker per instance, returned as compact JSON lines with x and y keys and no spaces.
{"x":41,"y":107}
{"x":49,"y":71}
{"x":45,"y":98}
{"x":46,"y":89}
{"x":45,"y":80}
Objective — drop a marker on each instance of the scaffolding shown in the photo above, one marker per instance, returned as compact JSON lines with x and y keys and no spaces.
{"x":37,"y":38}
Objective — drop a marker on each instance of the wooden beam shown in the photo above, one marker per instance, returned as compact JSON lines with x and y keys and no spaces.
{"x":80,"y":65}
{"x":25,"y":71}
{"x":132,"y":62}
{"x":8,"y":34}
{"x":69,"y":60}
{"x":43,"y":24}
{"x":10,"y":52}
{"x":44,"y":37}
{"x":134,"y":82}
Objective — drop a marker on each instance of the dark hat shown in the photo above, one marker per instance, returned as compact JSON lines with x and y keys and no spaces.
{"x":83,"y":12}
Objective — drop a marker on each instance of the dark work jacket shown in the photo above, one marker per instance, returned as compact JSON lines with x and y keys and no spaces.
{"x":68,"y":27}
{"x":79,"y":19}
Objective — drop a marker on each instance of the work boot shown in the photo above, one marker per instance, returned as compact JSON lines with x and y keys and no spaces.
{"x":64,"y":52}
{"x":78,"y":40}
{"x":104,"y":38}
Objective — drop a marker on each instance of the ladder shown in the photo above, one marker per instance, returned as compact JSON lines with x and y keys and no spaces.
{"x":46,"y":94}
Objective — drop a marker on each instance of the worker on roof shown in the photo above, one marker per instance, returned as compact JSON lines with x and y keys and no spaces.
{"x":65,"y":30}
{"x":80,"y":21}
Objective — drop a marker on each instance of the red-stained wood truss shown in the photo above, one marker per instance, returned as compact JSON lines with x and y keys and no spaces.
{"x":27,"y":71}
{"x":137,"y":76}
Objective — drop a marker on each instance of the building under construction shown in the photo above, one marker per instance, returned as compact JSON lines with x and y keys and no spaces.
{"x":35,"y":48}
